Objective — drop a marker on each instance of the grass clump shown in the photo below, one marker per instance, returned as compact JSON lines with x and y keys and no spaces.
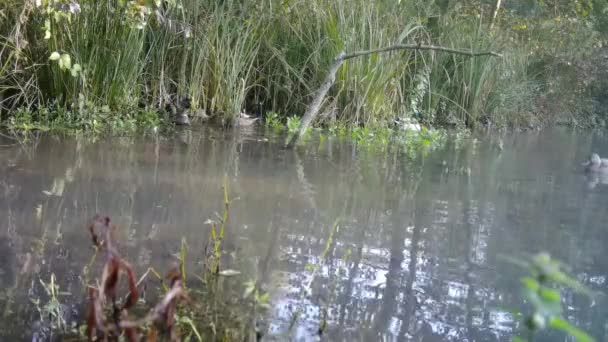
{"x":92,"y":119}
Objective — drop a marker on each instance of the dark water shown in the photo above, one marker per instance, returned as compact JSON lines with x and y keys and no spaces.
{"x":416,"y":255}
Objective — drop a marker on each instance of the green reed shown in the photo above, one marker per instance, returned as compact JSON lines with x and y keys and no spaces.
{"x":271,"y":55}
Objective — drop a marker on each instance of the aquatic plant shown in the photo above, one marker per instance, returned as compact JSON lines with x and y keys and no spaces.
{"x":95,"y":120}
{"x":293,"y":124}
{"x":273,"y":121}
{"x":217,"y":230}
{"x":306,"y":288}
{"x":52,"y":313}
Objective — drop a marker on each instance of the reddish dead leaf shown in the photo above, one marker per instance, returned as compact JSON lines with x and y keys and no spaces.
{"x":93,"y":231}
{"x":102,"y":232}
{"x":95,"y":320}
{"x":109,"y":278}
{"x":164,"y":312}
{"x":133,"y":295}
{"x":131,"y":334}
{"x":91,"y":317}
{"x":173,"y":275}
{"x":101,"y":327}
{"x":167,"y":305}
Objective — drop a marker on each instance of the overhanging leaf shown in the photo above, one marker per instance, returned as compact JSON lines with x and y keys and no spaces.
{"x":565,"y":326}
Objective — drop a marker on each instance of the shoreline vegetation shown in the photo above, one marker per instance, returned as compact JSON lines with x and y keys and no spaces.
{"x":120,"y":66}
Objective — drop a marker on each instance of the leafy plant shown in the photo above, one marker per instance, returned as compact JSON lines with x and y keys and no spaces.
{"x":541,"y":289}
{"x":53,"y":311}
{"x":273,"y":121}
{"x":293,"y":124}
{"x":260,"y":298}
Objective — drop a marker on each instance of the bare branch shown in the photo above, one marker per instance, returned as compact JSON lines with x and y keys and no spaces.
{"x":315,"y":104}
{"x":420,"y":47}
{"x":495,"y":13}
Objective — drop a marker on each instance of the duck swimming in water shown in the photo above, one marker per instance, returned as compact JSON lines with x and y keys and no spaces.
{"x":246,"y":120}
{"x":596,"y":164}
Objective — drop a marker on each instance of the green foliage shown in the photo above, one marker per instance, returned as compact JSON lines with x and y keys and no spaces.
{"x":223,"y":55}
{"x":52,"y":312}
{"x":273,"y":121}
{"x":217,"y":230}
{"x":541,"y":289}
{"x":293,"y":124}
{"x":260,"y":298}
{"x":88,"y":118}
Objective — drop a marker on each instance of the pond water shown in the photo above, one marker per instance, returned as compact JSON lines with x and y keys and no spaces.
{"x":416,"y":253}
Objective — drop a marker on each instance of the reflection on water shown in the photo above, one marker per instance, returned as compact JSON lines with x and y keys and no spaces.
{"x":415,"y":256}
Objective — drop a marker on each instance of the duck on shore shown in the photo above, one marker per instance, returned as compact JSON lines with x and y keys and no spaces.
{"x":179,"y":111}
{"x":596,"y":164}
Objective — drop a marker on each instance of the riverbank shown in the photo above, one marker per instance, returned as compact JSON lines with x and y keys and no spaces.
{"x":72,"y":62}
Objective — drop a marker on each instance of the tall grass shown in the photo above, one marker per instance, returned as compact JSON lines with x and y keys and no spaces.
{"x":231,"y":40}
{"x":463,"y":85}
{"x":231,"y":56}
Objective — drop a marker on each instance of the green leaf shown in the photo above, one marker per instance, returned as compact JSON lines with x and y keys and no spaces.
{"x":264,"y":298}
{"x":188,"y":321}
{"x":565,"y":326}
{"x":530,"y":283}
{"x":550,"y":295}
{"x":55,"y":56}
{"x":552,"y":270}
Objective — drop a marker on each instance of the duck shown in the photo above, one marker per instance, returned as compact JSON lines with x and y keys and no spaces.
{"x":180,"y":112}
{"x":596,"y":164}
{"x":246,"y":120}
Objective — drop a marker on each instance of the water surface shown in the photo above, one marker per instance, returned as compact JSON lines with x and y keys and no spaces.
{"x":416,"y":254}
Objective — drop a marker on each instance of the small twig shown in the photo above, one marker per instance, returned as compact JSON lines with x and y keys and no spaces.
{"x":156,"y":274}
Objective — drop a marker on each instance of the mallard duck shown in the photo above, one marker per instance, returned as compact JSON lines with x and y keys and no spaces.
{"x":596,"y":164}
